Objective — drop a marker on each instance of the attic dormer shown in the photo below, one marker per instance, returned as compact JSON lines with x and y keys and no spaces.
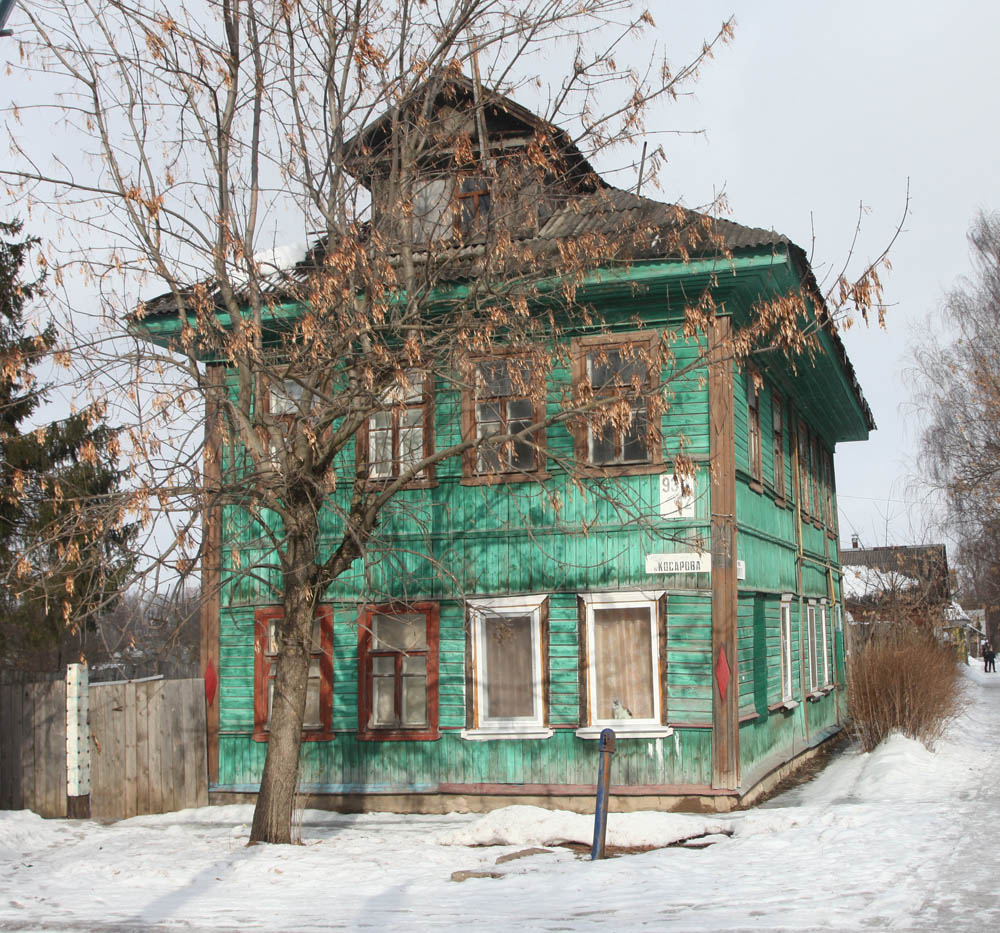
{"x":457,"y":161}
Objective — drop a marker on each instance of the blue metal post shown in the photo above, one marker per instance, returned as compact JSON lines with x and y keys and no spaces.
{"x":603,"y":782}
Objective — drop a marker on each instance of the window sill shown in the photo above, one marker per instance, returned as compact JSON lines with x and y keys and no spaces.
{"x":821,"y":692}
{"x":488,"y":735}
{"x":785,"y":706}
{"x":639,"y":731}
{"x":497,"y":479}
{"x":756,"y":486}
{"x":593,"y":470}
{"x":398,"y":735}
{"x":313,"y":735}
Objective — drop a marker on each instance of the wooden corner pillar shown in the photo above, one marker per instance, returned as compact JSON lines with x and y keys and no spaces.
{"x":211,"y":564}
{"x":722,"y":448}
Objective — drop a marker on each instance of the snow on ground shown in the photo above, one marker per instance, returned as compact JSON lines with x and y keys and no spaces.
{"x":899,"y":839}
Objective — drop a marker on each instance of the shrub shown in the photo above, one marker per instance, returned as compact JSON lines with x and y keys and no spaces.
{"x":902,"y":679}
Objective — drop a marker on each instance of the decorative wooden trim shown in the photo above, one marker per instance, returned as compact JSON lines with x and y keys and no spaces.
{"x":471,"y":697}
{"x":432,"y":614}
{"x":211,"y":566}
{"x":578,"y":371}
{"x":722,"y":446}
{"x":586,"y":790}
{"x":262,"y":670}
{"x":661,"y":632}
{"x":756,"y":486}
{"x":756,"y":458}
{"x":543,"y":640}
{"x":583,"y":680}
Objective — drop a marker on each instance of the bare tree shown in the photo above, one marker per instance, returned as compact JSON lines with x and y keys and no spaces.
{"x":380,"y":128}
{"x":956,"y":384}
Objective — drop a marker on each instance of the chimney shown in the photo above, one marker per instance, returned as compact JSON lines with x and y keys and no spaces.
{"x":854,"y":541}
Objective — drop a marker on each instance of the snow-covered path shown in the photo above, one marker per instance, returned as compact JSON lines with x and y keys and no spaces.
{"x":901,"y":839}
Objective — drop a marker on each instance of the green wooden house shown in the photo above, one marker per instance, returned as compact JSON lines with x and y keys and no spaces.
{"x":704,"y":626}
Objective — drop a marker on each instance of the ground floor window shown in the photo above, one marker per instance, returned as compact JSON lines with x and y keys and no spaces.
{"x":316,"y":722}
{"x":623,"y":637}
{"x":811,"y":659}
{"x":398,"y":668}
{"x":787,"y":678}
{"x":827,"y":645}
{"x":508,"y":643}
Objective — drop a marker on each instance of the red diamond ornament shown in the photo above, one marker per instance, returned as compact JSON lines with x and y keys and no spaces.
{"x":722,"y":673}
{"x":211,"y":682}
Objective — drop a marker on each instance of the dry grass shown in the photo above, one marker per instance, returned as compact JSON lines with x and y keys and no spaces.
{"x":902,"y":680}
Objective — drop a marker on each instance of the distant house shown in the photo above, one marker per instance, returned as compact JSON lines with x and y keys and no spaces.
{"x":713,"y":648}
{"x":902,"y":583}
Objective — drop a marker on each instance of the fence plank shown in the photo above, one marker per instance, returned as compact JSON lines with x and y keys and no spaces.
{"x":50,"y":749}
{"x":142,"y":747}
{"x":27,"y":801}
{"x":101,"y":764}
{"x":130,"y":797}
{"x":195,"y":741}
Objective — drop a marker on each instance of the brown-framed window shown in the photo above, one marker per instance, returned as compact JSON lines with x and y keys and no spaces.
{"x":400,"y":434}
{"x":753,"y":423}
{"x":318,"y":718}
{"x":816,"y":472}
{"x":828,"y":465}
{"x":500,"y":404}
{"x":620,"y":368}
{"x":778,"y":442}
{"x":803,"y":458}
{"x":398,"y":672}
{"x":472,"y":197}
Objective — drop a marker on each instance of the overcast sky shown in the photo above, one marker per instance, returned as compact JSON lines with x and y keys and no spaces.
{"x":814,"y":108}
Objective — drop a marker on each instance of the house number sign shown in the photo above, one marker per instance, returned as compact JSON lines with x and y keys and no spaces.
{"x":674,"y":501}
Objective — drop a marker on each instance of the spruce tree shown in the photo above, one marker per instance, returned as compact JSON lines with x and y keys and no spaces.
{"x":64,"y":550}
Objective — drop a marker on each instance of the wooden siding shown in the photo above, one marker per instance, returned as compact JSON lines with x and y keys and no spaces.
{"x":509,"y":538}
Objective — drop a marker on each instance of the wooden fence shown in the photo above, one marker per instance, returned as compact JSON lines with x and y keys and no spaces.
{"x":147,"y":747}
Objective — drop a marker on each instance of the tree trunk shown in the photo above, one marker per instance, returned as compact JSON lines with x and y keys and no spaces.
{"x":272,"y":818}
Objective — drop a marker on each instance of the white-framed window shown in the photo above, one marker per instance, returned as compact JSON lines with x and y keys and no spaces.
{"x":787,"y":678}
{"x":811,"y":646}
{"x":507,"y":667}
{"x":827,"y":680}
{"x":622,"y":633}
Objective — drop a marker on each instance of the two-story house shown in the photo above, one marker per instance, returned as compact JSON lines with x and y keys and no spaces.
{"x":586,"y":585}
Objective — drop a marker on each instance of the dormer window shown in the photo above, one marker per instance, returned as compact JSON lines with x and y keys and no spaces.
{"x":473,"y":197}
{"x":432,"y":209}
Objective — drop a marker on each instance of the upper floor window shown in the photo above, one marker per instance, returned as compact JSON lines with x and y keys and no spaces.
{"x":803,"y":465}
{"x":316,"y":722}
{"x":500,"y":406}
{"x":778,"y":443}
{"x":399,"y":436}
{"x":398,"y":672}
{"x":621,"y":371}
{"x":828,"y":488}
{"x":753,"y":423}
